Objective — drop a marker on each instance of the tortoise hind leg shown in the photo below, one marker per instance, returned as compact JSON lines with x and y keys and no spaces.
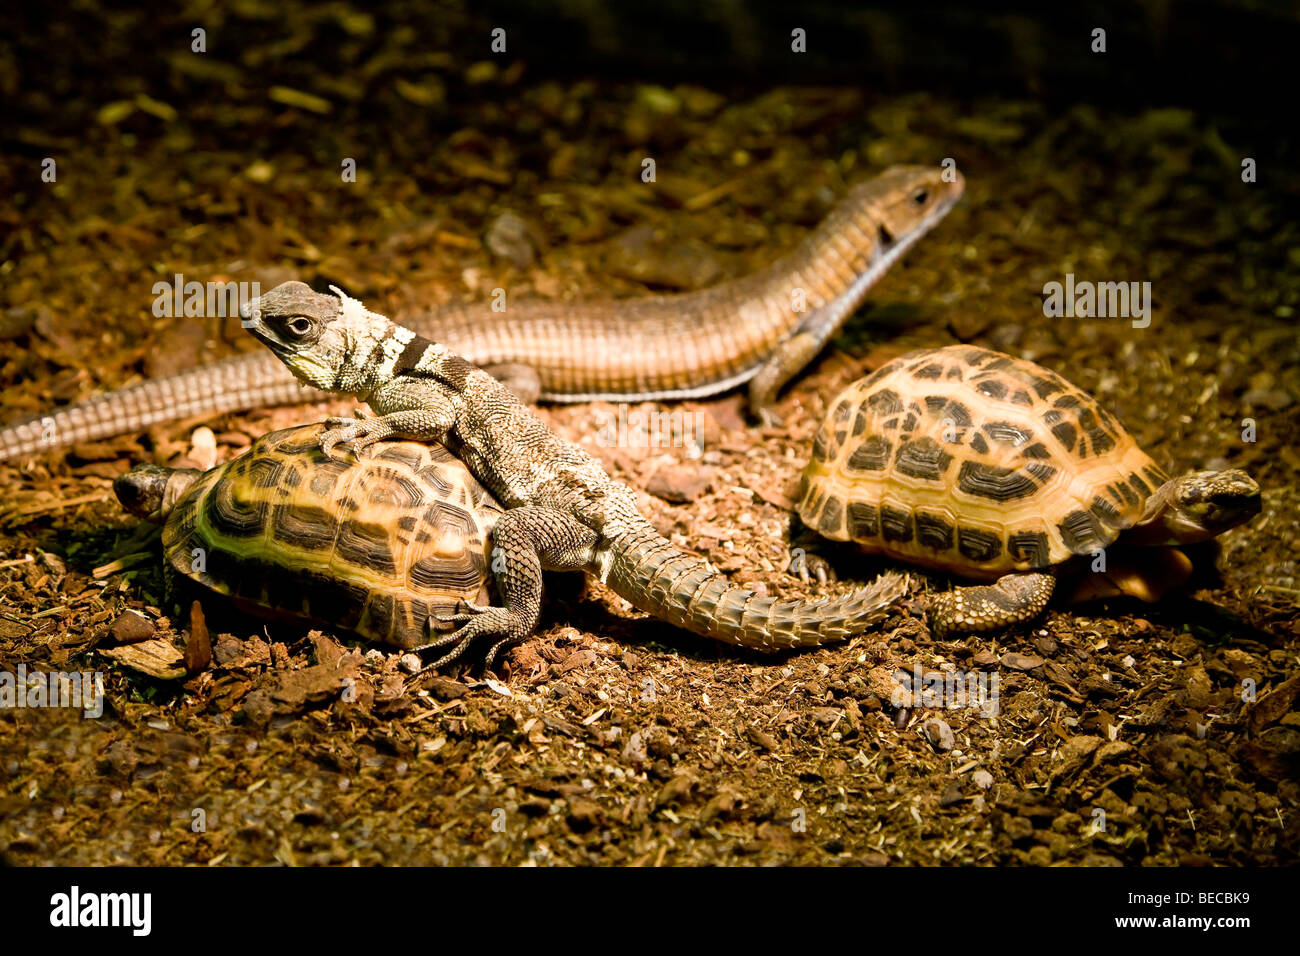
{"x":991,"y":607}
{"x":807,"y":562}
{"x":173,"y":588}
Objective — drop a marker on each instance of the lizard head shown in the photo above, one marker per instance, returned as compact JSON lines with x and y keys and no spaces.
{"x":905,"y":202}
{"x":313,"y":334}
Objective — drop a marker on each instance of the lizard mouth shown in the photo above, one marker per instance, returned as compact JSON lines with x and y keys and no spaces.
{"x":250,"y":316}
{"x":253,"y":325}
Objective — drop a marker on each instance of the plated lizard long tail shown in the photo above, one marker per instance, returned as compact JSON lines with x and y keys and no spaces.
{"x":760,"y":329}
{"x":247,"y":381}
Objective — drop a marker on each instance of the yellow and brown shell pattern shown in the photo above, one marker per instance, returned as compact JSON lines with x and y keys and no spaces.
{"x":971,"y":461}
{"x":372,"y":546}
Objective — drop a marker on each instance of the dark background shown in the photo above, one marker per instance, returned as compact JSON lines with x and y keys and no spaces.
{"x":1230,"y":55}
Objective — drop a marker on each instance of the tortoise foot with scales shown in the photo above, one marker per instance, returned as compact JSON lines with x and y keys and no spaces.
{"x":965,"y":460}
{"x":388,"y":547}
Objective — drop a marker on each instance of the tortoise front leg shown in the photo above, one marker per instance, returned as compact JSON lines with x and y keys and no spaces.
{"x":171,"y":588}
{"x":991,"y":607}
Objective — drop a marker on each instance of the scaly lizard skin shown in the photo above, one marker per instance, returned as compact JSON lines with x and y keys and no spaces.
{"x":564,"y":511}
{"x":657,"y":347}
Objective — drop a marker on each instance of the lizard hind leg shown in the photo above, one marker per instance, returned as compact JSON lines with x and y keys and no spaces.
{"x":1011,"y":599}
{"x":525,"y":542}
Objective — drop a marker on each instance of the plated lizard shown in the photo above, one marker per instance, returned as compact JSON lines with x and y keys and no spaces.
{"x":688,"y":345}
{"x":563,"y":511}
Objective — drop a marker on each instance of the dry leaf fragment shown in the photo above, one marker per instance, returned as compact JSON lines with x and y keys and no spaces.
{"x":158,"y":658}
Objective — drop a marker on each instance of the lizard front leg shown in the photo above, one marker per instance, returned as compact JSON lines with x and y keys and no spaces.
{"x":525,"y":542}
{"x":784,"y":363}
{"x":430,"y":422}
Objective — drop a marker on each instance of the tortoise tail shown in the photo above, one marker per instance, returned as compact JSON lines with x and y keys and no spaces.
{"x":688,"y":591}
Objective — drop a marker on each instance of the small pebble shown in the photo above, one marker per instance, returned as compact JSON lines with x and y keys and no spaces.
{"x":1021,"y":662}
{"x":939,"y":734}
{"x":510,"y":238}
{"x":132,"y":627}
{"x":680,"y":483}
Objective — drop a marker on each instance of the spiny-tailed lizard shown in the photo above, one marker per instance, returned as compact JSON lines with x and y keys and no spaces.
{"x":564,"y":511}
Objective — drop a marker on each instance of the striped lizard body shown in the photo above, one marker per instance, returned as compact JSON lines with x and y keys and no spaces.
{"x":760,"y":329}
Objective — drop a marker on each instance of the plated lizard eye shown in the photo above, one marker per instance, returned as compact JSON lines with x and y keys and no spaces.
{"x":299,"y":326}
{"x":920,"y":197}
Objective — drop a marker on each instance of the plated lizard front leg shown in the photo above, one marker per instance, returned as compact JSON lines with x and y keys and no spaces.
{"x":790,"y":356}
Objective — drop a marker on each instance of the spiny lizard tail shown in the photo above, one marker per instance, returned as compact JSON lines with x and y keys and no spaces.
{"x":564,"y":511}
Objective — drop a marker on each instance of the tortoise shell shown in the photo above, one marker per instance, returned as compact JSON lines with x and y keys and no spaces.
{"x":971,"y":461}
{"x":371,"y":546}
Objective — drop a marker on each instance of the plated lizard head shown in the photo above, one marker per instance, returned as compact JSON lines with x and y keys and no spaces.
{"x":906,"y":201}
{"x":327,"y":341}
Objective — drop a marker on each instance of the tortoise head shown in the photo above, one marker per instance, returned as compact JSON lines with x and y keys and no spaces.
{"x":1198,"y":506}
{"x":151,"y":491}
{"x":323,"y":339}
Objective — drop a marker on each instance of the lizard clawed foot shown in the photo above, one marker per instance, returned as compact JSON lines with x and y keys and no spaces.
{"x":360,"y":432}
{"x":469,"y":612}
{"x":477,"y":621}
{"x":335,"y":434}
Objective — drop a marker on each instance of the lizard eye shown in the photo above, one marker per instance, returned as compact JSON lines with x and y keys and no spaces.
{"x":299,"y":326}
{"x":920,"y":197}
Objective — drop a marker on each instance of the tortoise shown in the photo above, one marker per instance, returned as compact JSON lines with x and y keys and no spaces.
{"x":994,"y":468}
{"x":383,"y":547}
